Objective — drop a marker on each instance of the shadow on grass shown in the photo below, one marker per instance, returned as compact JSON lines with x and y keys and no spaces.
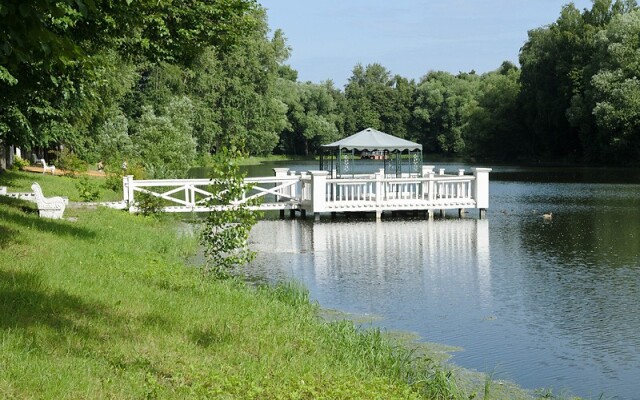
{"x":18,"y":179}
{"x":7,"y":235}
{"x":25,"y":301}
{"x":26,"y":215}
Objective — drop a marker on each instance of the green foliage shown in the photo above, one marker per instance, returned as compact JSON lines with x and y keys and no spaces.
{"x":493,"y":131}
{"x":19,"y":163}
{"x":376,"y":99}
{"x":114,"y":173}
{"x":226,"y":230}
{"x":574,"y":75}
{"x":444,"y":105}
{"x":70,"y":162}
{"x":311,"y":117}
{"x":87,"y":189}
{"x":147,"y":204}
{"x":112,"y":141}
{"x":164,"y":142}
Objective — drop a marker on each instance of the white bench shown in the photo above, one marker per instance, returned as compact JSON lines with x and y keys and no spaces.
{"x":48,"y":207}
{"x":45,"y":167}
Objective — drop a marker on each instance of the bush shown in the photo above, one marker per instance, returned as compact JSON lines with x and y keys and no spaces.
{"x":70,"y":162}
{"x":87,"y":190}
{"x":115,"y":173}
{"x":19,"y":163}
{"x":148,"y":204}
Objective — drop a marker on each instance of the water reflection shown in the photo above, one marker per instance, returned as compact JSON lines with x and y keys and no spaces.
{"x":385,"y":256}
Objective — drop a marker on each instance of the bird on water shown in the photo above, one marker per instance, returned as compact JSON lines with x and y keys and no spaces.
{"x":547,"y":216}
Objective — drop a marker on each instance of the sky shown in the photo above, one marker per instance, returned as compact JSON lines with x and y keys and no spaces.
{"x":407,"y":37}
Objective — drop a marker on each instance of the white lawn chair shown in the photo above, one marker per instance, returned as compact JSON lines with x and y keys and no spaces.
{"x":45,"y":167}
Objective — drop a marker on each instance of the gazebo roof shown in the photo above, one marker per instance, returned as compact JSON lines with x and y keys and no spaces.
{"x":372,"y":140}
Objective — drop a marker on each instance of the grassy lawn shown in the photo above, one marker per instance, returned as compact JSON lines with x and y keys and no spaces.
{"x":55,"y":185}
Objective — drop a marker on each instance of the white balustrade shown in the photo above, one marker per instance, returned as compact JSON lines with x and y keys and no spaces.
{"x":317,"y":191}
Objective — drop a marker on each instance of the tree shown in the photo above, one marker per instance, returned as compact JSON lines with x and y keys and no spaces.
{"x":237,"y":95}
{"x":556,"y":76}
{"x":616,"y":89}
{"x":54,"y":55}
{"x":443,"y":105}
{"x":226,"y":230}
{"x":494,"y":129}
{"x":311,"y":117}
{"x":164,"y":142}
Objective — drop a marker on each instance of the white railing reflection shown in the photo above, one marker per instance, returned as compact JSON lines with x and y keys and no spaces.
{"x":377,"y":259}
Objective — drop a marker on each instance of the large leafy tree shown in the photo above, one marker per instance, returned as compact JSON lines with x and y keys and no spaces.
{"x":236,"y":94}
{"x":494,"y":131}
{"x":311,"y":117}
{"x":443,"y":105}
{"x":379,"y":100}
{"x":54,"y":56}
{"x":556,"y":76}
{"x":164,"y":140}
{"x":615,"y":90}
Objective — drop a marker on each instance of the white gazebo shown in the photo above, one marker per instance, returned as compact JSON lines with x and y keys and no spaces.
{"x":399,"y":155}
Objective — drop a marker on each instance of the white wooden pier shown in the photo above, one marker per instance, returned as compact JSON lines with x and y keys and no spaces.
{"x":318,"y":192}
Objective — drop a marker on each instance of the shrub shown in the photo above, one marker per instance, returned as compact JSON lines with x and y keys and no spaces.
{"x":70,"y":162}
{"x":226,"y":230}
{"x":148,"y":204}
{"x":87,"y":190}
{"x":19,"y":163}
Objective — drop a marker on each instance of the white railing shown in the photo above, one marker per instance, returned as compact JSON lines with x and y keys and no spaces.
{"x":381,"y":193}
{"x":316,"y":192}
{"x":378,"y":191}
{"x":183,"y":195}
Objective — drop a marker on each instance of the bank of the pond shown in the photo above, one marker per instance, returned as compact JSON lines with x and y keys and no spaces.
{"x":102,"y":305}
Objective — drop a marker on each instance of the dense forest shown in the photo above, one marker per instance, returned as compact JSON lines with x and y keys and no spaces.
{"x":162,"y":83}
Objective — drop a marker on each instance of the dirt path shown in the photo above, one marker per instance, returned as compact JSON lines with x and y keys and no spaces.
{"x":62,"y":171}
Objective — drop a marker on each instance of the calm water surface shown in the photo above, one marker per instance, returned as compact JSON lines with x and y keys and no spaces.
{"x":547,"y":304}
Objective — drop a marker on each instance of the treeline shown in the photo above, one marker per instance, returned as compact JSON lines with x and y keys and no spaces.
{"x":160,"y":83}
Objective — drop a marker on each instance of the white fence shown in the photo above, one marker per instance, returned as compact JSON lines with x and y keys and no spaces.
{"x":315,"y":191}
{"x":193,"y":195}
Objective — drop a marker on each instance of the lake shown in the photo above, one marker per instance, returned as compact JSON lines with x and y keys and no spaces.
{"x":544,"y":303}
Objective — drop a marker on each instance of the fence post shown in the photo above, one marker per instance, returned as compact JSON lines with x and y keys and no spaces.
{"x":318,"y":192}
{"x":481,"y":189}
{"x":127,"y":188}
{"x":292,"y":188}
{"x":427,"y":172}
{"x":280,"y":173}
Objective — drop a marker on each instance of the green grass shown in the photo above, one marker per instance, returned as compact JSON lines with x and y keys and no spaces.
{"x":19,"y":181}
{"x":103,"y":305}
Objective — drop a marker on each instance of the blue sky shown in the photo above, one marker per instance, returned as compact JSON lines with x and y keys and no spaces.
{"x":408,"y":37}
